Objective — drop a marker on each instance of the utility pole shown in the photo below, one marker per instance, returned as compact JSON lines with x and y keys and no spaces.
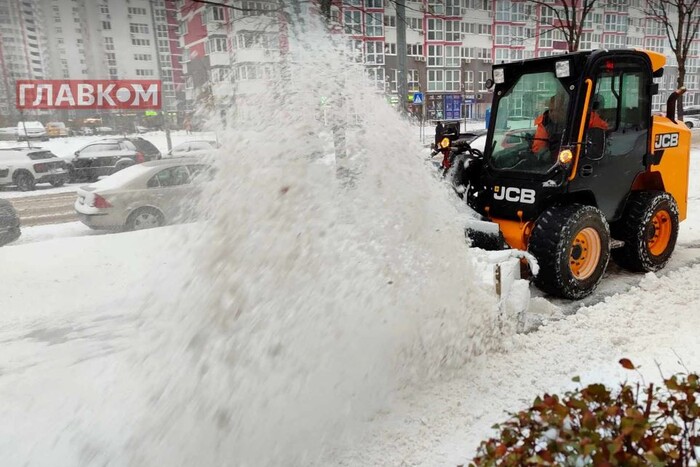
{"x":401,"y":52}
{"x":163,"y":116}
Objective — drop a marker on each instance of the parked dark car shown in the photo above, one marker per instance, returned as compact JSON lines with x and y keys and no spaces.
{"x":9,"y":223}
{"x":111,"y":155}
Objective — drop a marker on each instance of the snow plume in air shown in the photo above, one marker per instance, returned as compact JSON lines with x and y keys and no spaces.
{"x":321,"y":283}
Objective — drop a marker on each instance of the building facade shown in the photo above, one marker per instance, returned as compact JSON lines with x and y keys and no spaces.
{"x":222,"y":55}
{"x":90,"y":39}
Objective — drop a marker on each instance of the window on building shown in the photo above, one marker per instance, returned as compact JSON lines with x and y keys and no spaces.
{"x":390,"y":21}
{"x":376,"y":75}
{"x":352,"y":22}
{"x":452,"y":80}
{"x":502,"y":10}
{"x":452,"y":31}
{"x":452,"y":55}
{"x":374,"y":3}
{"x":546,"y":15}
{"x":452,"y":8}
{"x":143,"y":72}
{"x":216,"y":45}
{"x":435,"y":55}
{"x":374,"y":52}
{"x":546,"y":39}
{"x":436,"y":29}
{"x":374,"y":24}
{"x":137,"y":11}
{"x":415,"y":24}
{"x":415,"y":50}
{"x":140,"y":42}
{"x":215,"y":13}
{"x":469,"y":81}
{"x":502,"y":34}
{"x":390,"y":48}
{"x":413,"y":81}
{"x":138,"y":28}
{"x":483,"y":76}
{"x":502,"y":55}
{"x":106,"y":25}
{"x":436,"y":7}
{"x":436,"y":80}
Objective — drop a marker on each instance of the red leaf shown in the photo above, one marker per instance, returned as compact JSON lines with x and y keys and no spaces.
{"x":627,"y":364}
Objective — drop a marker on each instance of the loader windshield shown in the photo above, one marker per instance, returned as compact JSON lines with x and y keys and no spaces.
{"x":530,"y":121}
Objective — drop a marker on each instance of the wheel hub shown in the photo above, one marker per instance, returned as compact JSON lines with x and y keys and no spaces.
{"x":584,"y":254}
{"x":659,"y":232}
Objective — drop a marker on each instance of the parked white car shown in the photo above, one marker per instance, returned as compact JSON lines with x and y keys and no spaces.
{"x":144,"y":196}
{"x":692,"y":121}
{"x":194,"y":149}
{"x":31,"y":130}
{"x":25,"y":167}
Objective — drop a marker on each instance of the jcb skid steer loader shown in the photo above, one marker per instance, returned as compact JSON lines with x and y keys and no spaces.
{"x":576,"y":168}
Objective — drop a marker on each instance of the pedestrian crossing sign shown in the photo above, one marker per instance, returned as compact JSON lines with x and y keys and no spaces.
{"x":418,"y":98}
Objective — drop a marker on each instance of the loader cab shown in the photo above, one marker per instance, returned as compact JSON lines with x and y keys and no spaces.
{"x":577,"y":170}
{"x":576,"y":124}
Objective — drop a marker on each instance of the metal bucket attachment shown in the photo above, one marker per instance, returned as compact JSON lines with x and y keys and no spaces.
{"x":485,"y":235}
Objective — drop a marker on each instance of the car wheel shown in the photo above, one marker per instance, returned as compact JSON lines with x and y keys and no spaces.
{"x":145,"y":218}
{"x":649,"y":228}
{"x":572,"y":246}
{"x":25,"y":181}
{"x":689,"y":124}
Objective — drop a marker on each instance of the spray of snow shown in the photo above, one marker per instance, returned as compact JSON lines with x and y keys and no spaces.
{"x":318,"y":285}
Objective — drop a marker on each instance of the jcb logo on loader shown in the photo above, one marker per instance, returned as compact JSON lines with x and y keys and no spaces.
{"x":666,"y":140}
{"x":514,"y":194}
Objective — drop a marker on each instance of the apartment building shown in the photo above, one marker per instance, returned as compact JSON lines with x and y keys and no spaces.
{"x":89,"y":39}
{"x":23,"y":50}
{"x":229,"y":54}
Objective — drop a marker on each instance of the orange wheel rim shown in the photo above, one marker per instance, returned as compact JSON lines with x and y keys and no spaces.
{"x":659,"y":233}
{"x":584,"y":254}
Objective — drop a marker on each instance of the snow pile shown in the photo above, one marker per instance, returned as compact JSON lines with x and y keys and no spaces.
{"x":320,"y":288}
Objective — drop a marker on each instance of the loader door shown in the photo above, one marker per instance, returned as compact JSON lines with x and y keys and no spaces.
{"x":617,"y":127}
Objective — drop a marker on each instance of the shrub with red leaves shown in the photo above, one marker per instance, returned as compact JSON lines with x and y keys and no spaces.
{"x":636,"y":425}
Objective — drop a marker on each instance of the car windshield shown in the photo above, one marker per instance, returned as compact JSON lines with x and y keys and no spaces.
{"x":530,"y":121}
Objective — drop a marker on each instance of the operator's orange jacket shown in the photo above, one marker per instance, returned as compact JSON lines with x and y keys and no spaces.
{"x":542,"y":135}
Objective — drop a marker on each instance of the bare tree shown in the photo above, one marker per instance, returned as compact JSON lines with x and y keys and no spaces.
{"x":569,"y":16}
{"x":681,"y":20}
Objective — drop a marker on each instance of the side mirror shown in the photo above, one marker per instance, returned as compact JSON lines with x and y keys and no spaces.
{"x":77,"y":153}
{"x":489,"y":83}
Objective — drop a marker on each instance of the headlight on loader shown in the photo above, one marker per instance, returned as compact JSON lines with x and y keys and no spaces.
{"x":565,"y":156}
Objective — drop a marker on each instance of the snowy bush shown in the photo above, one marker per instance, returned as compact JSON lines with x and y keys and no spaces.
{"x":637,"y":424}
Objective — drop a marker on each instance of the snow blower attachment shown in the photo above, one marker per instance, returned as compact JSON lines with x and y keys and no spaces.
{"x":576,"y":169}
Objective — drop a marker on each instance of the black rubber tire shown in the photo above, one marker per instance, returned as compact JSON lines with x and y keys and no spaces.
{"x":689,"y":125}
{"x":58,"y":183}
{"x":636,"y":225}
{"x":25,"y":181}
{"x":133,"y":223}
{"x":551,"y":243}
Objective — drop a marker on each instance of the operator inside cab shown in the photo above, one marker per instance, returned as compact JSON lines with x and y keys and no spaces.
{"x":551,"y":125}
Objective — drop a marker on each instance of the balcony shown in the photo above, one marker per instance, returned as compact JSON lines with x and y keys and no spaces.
{"x":219,"y":59}
{"x":256,"y":55}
